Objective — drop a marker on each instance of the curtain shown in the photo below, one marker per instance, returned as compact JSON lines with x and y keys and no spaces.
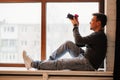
{"x":117,"y":44}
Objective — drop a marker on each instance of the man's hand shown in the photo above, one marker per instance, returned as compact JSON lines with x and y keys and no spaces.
{"x":75,"y":21}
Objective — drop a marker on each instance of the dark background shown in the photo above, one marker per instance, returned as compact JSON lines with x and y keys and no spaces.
{"x":117,"y":44}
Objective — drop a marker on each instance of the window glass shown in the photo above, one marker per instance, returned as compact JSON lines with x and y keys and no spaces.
{"x":59,"y":28}
{"x":20,"y":29}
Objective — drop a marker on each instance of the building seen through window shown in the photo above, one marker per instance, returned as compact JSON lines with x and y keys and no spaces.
{"x":19,"y":31}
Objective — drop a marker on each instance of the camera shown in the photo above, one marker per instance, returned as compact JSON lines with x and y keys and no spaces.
{"x":70,"y":16}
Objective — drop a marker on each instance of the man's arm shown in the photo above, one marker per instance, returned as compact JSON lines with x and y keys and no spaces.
{"x":80,"y":41}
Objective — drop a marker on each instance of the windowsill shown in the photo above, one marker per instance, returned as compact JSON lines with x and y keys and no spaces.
{"x":13,"y":69}
{"x":23,"y":70}
{"x":24,"y":74}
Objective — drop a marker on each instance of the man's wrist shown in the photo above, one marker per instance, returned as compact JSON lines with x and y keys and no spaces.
{"x":75,"y":27}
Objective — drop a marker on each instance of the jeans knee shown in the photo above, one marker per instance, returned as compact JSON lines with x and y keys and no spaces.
{"x":69,"y":43}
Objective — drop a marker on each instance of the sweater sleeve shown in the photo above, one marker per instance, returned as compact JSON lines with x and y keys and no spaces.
{"x":76,"y":34}
{"x":81,"y":41}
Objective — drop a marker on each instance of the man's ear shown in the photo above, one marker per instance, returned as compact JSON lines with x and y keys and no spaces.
{"x":99,"y":23}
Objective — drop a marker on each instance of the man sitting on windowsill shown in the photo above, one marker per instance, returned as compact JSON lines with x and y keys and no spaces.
{"x":84,"y":60}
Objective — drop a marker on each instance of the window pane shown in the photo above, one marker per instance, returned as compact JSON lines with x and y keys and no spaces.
{"x":59,"y":28}
{"x":20,"y":29}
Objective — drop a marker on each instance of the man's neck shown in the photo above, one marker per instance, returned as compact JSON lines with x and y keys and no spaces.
{"x":98,"y":29}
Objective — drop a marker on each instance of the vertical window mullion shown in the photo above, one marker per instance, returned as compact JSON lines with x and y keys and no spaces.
{"x":101,"y":6}
{"x":43,"y":35}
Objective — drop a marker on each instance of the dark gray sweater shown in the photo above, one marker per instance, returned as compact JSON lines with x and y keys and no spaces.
{"x":96,"y":46}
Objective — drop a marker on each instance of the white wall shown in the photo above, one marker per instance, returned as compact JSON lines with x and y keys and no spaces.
{"x":110,"y":10}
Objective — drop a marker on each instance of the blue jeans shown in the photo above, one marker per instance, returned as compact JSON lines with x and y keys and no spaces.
{"x":78,"y":62}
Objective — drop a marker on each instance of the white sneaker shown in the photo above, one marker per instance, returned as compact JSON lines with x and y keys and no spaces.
{"x":27,"y":60}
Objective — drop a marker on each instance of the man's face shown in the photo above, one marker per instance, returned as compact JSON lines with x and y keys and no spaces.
{"x":94,"y":23}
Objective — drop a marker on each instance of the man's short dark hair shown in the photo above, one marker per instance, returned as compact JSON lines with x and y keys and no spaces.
{"x":102,"y":18}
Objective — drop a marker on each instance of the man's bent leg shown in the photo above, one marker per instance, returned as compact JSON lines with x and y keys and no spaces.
{"x":68,"y":46}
